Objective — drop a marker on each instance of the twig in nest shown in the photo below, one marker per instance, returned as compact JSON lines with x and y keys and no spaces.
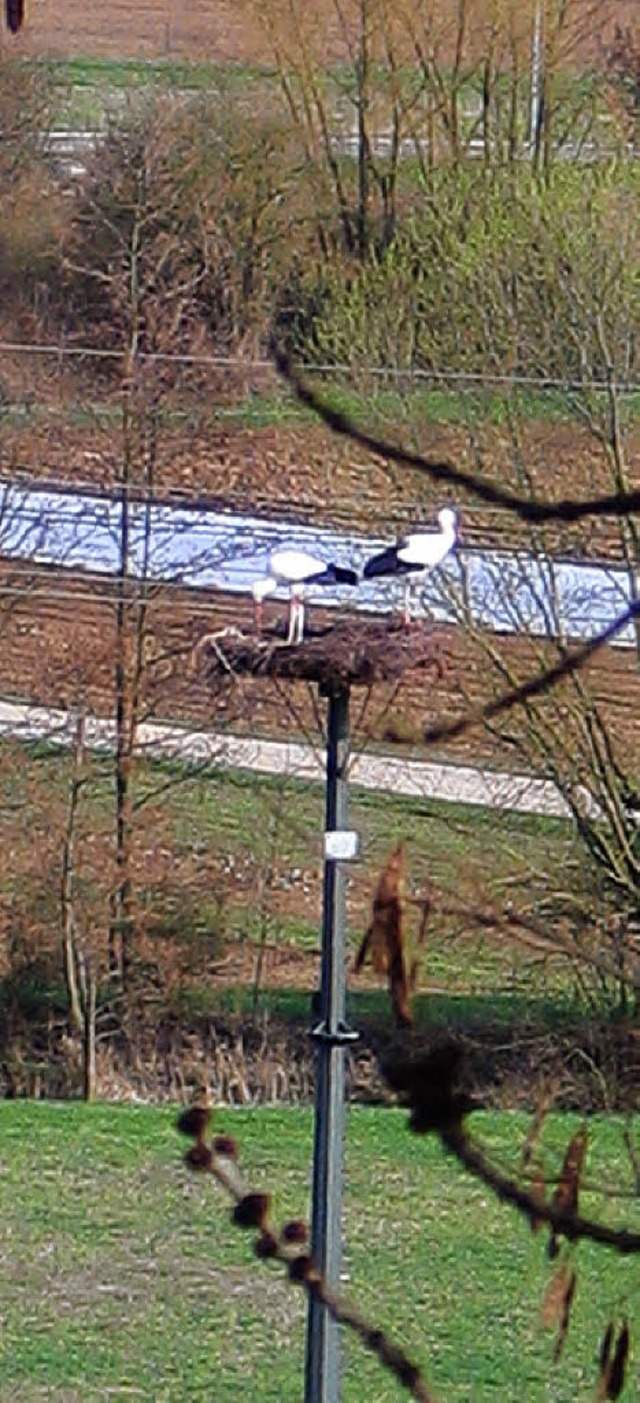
{"x":211,"y":640}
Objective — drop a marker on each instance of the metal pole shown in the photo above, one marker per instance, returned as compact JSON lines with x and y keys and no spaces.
{"x":331,"y":1035}
{"x":536,"y":79}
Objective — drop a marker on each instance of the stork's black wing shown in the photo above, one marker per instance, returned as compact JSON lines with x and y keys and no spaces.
{"x":386,"y":563}
{"x":333,"y":575}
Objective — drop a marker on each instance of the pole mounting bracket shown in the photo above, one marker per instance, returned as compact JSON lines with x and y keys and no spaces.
{"x":336,"y":1037}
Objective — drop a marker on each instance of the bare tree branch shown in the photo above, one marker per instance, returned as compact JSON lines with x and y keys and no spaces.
{"x":534,"y":686}
{"x":526,"y":508}
{"x":432,"y":1087}
{"x":220,"y":1158}
{"x":572,"y":1225}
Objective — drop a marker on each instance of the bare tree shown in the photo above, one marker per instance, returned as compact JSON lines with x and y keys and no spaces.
{"x":71,"y":954}
{"x":78,"y":963}
{"x":141,"y":252}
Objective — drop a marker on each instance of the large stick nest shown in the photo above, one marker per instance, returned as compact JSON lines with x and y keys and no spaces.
{"x":350,"y":652}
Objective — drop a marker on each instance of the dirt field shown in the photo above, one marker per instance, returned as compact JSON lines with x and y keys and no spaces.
{"x":230,"y":31}
{"x":57,"y":649}
{"x":305,"y":472}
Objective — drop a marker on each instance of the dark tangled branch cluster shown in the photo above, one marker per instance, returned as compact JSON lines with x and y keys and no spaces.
{"x":433,"y":1088}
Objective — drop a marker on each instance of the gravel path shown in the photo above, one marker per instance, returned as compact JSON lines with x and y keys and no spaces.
{"x":461,"y":784}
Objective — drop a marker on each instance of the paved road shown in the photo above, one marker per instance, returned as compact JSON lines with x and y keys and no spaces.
{"x":461,"y":784}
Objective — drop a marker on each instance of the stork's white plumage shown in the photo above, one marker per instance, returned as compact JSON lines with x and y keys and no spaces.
{"x":297,"y":569}
{"x":415,"y":555}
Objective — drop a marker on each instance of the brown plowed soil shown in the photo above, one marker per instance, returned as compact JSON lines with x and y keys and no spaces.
{"x":57,"y":649}
{"x":306,"y":473}
{"x":231,"y":31}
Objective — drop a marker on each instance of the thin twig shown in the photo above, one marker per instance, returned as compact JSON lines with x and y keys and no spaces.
{"x":252,"y":1211}
{"x":572,"y":1225}
{"x":534,"y":686}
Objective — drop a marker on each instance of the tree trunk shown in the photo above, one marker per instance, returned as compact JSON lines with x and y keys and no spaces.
{"x":69,"y":942}
{"x":89,"y":1033}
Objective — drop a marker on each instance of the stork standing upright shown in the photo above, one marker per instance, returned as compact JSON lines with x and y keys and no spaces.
{"x":415,"y":555}
{"x":297,"y":569}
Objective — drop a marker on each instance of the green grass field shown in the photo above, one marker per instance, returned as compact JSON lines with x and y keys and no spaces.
{"x":121,"y":1275}
{"x":375,"y":403}
{"x":87,"y":89}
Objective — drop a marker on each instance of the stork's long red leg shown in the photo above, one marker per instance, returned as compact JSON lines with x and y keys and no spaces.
{"x":291,"y":620}
{"x":407,"y":603}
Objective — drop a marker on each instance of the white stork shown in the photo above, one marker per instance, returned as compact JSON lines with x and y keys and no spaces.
{"x":415,"y":555}
{"x":297,"y":569}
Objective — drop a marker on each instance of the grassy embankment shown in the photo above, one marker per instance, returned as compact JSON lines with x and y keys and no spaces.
{"x":122,"y":1276}
{"x":90,"y":86}
{"x":230,"y":859}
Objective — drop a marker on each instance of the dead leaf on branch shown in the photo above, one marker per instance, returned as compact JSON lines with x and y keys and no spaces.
{"x":613,"y":1362}
{"x":557,"y":1303}
{"x":384,"y":940}
{"x":566,"y":1195}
